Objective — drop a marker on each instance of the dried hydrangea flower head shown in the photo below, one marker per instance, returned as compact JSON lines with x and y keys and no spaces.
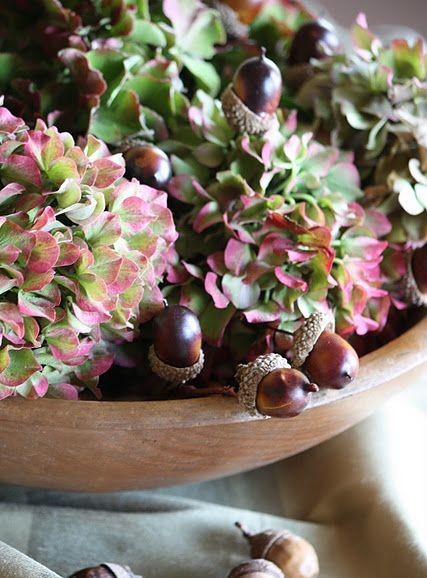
{"x":83,"y":252}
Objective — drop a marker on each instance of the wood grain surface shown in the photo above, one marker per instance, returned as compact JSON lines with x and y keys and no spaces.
{"x":106,"y":446}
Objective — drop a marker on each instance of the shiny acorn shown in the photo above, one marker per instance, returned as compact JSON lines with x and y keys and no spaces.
{"x":105,"y":570}
{"x":323,"y":355}
{"x":149,"y":165}
{"x":415,"y":281}
{"x":256,"y":569}
{"x":292,"y":554}
{"x":284,"y":393}
{"x":314,"y":39}
{"x":269,"y":387}
{"x":251,"y":100}
{"x":176,"y":354}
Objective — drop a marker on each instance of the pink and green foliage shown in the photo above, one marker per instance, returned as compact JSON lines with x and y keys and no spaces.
{"x":82,"y":251}
{"x":373,"y":99}
{"x":110,"y":68}
{"x":271,"y":230}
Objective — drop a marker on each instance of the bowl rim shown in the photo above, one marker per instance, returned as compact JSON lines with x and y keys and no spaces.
{"x":398,"y":357}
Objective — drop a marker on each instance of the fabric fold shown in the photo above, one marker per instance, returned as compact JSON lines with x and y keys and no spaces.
{"x":14,"y":564}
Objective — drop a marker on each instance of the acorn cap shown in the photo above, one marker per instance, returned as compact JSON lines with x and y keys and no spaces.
{"x":413,"y":295}
{"x":174,"y":375}
{"x":249,"y":376}
{"x":305,"y":337}
{"x":241,"y":118}
{"x":129,"y":143}
{"x":256,"y":566}
{"x":230,"y":19}
{"x":262,"y":542}
{"x":104,"y":569}
{"x":120,"y":571}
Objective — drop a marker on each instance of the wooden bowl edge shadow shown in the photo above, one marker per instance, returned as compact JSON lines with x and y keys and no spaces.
{"x":398,"y":357}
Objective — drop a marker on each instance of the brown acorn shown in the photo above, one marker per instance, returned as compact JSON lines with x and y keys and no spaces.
{"x":269,"y":387}
{"x":415,"y":281}
{"x":149,"y":165}
{"x":251,"y":101}
{"x":256,"y":569}
{"x":292,"y":554}
{"x":314,"y":39}
{"x":105,"y":570}
{"x":327,"y":358}
{"x":176,"y":354}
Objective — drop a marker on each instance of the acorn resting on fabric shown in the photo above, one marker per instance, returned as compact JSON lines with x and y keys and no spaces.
{"x":105,"y":570}
{"x":269,"y":387}
{"x":327,"y":358}
{"x":149,"y":165}
{"x":256,"y":569}
{"x":314,"y":39}
{"x":176,"y":354}
{"x":415,"y":281}
{"x":292,"y":554}
{"x":251,"y":101}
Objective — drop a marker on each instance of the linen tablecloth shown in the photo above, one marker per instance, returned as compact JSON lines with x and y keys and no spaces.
{"x":360,"y":499}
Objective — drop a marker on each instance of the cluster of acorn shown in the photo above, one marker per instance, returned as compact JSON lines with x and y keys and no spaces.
{"x":270,"y":385}
{"x":274,"y":554}
{"x":250,"y":102}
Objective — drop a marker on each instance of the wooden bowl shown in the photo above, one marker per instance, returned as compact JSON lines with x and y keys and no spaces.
{"x":93,"y":446}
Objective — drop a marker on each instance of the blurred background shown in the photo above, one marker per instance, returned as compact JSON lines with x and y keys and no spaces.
{"x":394,"y":12}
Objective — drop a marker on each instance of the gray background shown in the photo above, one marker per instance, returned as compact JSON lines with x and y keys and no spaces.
{"x":411,"y":13}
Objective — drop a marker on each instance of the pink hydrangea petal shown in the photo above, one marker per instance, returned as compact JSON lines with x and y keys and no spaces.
{"x":211,"y":287}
